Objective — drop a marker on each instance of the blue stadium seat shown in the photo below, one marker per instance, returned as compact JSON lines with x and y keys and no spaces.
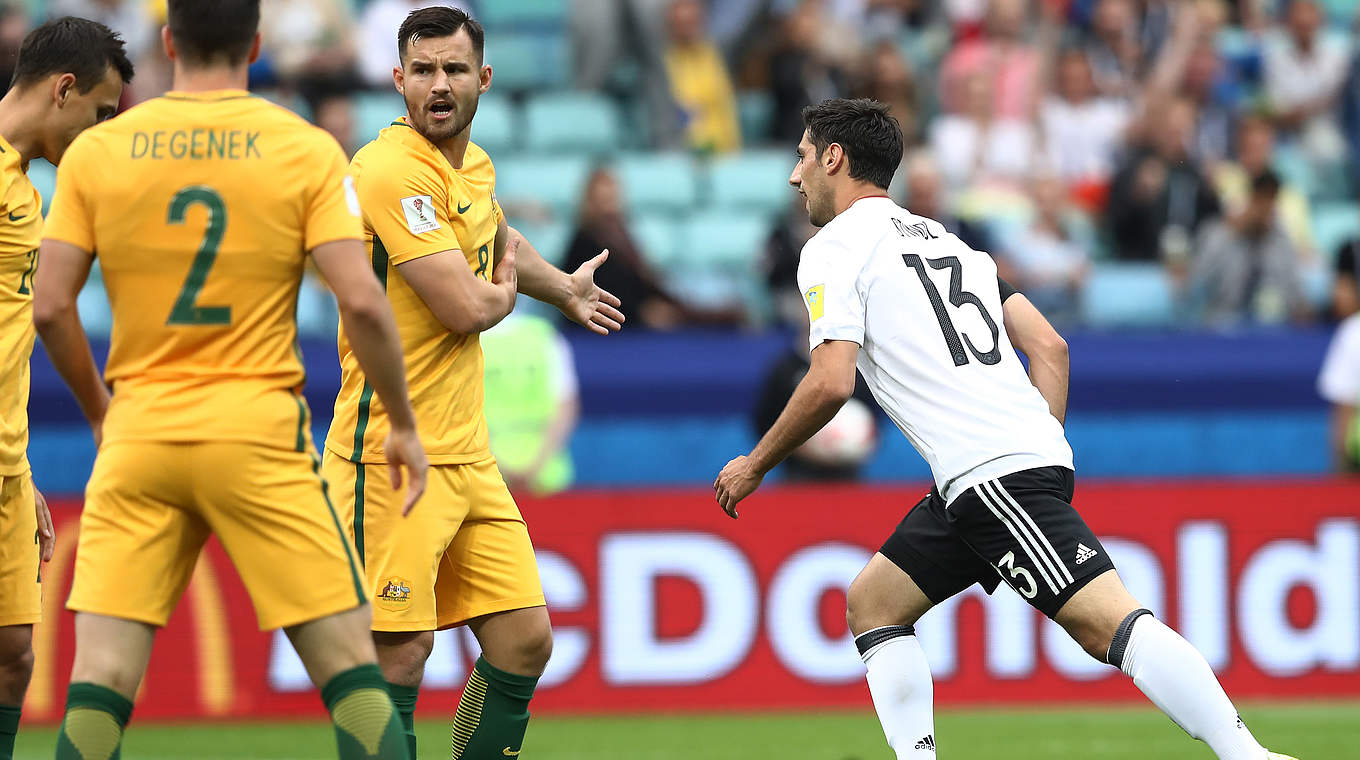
{"x":573,"y":121}
{"x":373,"y":111}
{"x":659,"y":238}
{"x":93,"y":303}
{"x":550,"y":239}
{"x":755,"y":110}
{"x":554,"y":182}
{"x":658,"y":181}
{"x":717,"y":263}
{"x":754,"y":180}
{"x":1128,"y":295}
{"x":496,"y":126}
{"x":528,"y":61}
{"x":1333,"y":224}
{"x":44,"y":177}
{"x":317,"y":315}
{"x":502,"y":13}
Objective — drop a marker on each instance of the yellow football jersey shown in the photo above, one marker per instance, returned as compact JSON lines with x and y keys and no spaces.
{"x":201,"y":208}
{"x":20,"y":232}
{"x":416,"y":204}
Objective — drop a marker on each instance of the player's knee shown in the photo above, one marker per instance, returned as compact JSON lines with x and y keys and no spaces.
{"x":403,"y":655}
{"x":1093,"y":636}
{"x":865,"y":609}
{"x":16,"y":658}
{"x":535,"y":649}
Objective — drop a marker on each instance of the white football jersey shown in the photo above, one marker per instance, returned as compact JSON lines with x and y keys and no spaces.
{"x":926,"y":311}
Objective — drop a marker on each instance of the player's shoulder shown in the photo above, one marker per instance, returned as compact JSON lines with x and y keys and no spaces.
{"x":1348,"y":333}
{"x":477,"y":161}
{"x":391,"y":161}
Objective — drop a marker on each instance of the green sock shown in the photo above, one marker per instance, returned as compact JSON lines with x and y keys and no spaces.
{"x":9,"y":726}
{"x":404,"y":697}
{"x":492,"y":714}
{"x":94,"y":723}
{"x":366,"y":723}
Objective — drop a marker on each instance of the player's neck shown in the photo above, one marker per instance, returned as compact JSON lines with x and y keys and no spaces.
{"x":846,"y":196}
{"x":210,"y":78}
{"x":21,"y":124}
{"x":455,"y":148}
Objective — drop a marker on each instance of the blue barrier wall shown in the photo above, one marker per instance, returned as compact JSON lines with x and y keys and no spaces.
{"x":673,"y":408}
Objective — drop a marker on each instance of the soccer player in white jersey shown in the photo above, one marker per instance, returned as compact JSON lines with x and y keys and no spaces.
{"x":922,"y":315}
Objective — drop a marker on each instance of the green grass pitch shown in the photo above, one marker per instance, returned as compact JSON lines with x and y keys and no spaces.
{"x":1312,"y":731}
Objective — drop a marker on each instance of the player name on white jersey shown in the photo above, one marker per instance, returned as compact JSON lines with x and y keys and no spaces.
{"x":926,"y":310}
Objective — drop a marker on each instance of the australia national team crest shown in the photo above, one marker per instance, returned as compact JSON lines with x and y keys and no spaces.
{"x":394,"y":594}
{"x":420,"y":216}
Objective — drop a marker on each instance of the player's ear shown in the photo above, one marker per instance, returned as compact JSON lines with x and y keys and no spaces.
{"x":63,"y":87}
{"x":485,"y":80}
{"x":833,"y":158}
{"x":254,"y":50}
{"x":399,"y":79}
{"x":168,"y":42}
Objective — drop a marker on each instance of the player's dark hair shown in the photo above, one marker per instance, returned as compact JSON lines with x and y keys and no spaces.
{"x":869,"y":135}
{"x":208,"y":32}
{"x":71,"y":45}
{"x":439,"y":21}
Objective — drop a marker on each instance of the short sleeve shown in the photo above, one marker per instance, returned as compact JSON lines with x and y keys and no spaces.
{"x":70,"y":218}
{"x":406,"y":203}
{"x":1339,"y":380}
{"x":828,"y":276}
{"x":333,"y":212}
{"x":1007,"y":290}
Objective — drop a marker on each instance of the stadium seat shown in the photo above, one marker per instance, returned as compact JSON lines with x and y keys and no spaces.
{"x":1333,"y":224}
{"x":373,"y":111}
{"x":552,"y":182}
{"x":658,"y":181}
{"x":44,"y":177}
{"x":317,"y":315}
{"x":1127,"y":295}
{"x":548,"y":13}
{"x":755,"y":109}
{"x":496,"y":125}
{"x":725,"y":241}
{"x":659,"y":238}
{"x":754,"y":180}
{"x":572,"y":121}
{"x":550,"y":239}
{"x":93,"y":302}
{"x":528,"y":61}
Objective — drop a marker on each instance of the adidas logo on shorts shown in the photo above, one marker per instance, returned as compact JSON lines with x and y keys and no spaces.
{"x":926,"y":743}
{"x":1084,"y":553}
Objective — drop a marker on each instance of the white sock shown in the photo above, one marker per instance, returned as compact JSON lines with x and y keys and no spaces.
{"x":899,"y":681}
{"x":1176,"y":677}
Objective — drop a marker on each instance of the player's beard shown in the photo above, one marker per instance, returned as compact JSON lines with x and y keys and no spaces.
{"x":819,"y":207}
{"x":441,"y":131}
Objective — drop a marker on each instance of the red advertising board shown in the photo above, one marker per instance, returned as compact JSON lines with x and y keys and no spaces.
{"x":661,"y":602}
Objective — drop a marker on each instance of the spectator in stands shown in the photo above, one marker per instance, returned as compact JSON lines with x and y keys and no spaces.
{"x":699,"y":81}
{"x":1048,"y":258}
{"x":1115,"y":50}
{"x":924,"y":195}
{"x":802,"y":71}
{"x":605,"y":35}
{"x":378,"y":36}
{"x":532,"y":403}
{"x":1255,"y":150}
{"x":1245,"y":269}
{"x":603,"y":225}
{"x":139,"y":27}
{"x":1160,"y":195}
{"x":1305,"y":69}
{"x":14,"y":25}
{"x":1009,"y":65}
{"x":979,"y":147}
{"x":1346,"y":285}
{"x":1217,"y":94}
{"x":1083,"y":130}
{"x":780,"y":265}
{"x":1339,"y":384}
{"x":333,"y":111}
{"x":309,"y":44}
{"x":886,"y":76}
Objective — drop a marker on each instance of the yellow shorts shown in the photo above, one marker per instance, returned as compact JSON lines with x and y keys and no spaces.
{"x":463,"y":552}
{"x":20,"y":560}
{"x":150,"y":506}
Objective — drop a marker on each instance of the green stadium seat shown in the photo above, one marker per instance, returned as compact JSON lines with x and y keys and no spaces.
{"x":44,"y":177}
{"x":724,"y":240}
{"x":753,"y":180}
{"x":496,"y":125}
{"x":550,"y":239}
{"x":503,"y":13}
{"x":528,"y":62}
{"x":1128,"y":295}
{"x":1333,"y":224}
{"x":755,"y":110}
{"x":373,"y":111}
{"x":573,"y":122}
{"x":658,"y":181}
{"x":659,"y":238}
{"x":552,"y":182}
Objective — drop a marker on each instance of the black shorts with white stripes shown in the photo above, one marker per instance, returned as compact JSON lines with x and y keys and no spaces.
{"x":1020,"y":528}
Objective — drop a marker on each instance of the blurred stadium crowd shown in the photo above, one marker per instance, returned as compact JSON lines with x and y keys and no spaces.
{"x":1128,"y":162}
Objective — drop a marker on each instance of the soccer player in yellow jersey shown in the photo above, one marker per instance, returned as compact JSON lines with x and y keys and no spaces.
{"x":452,"y":268}
{"x":202,"y":207}
{"x":69,"y":76}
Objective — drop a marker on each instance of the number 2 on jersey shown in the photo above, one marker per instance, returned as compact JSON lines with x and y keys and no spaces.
{"x":186,"y":310}
{"x":958,"y":297}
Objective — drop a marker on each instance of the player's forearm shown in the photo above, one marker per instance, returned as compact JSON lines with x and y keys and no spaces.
{"x":815,"y":401}
{"x":1343,"y":416}
{"x":538,"y":279}
{"x":68,"y":349}
{"x":373,"y":335}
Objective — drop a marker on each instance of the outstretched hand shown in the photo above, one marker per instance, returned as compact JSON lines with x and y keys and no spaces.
{"x":590,"y":306}
{"x":736,"y":481}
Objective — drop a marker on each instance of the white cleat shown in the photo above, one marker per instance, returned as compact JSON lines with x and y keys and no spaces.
{"x":1278,"y":756}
